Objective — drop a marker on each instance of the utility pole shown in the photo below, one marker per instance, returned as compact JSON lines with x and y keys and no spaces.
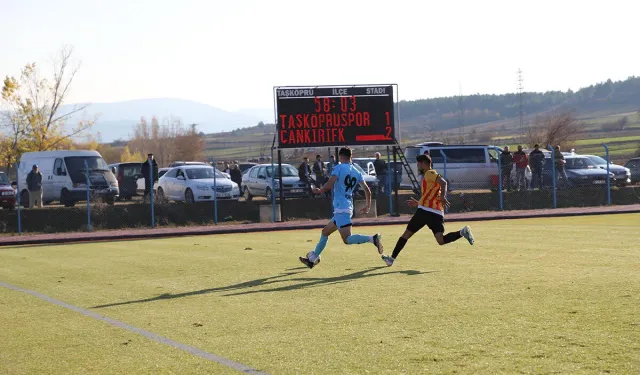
{"x":520,"y":93}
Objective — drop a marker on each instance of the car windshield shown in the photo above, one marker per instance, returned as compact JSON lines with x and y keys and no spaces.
{"x":580,"y":163}
{"x":598,"y":160}
{"x":4,"y":180}
{"x":410,"y":153}
{"x":202,"y":173}
{"x":287,"y":171}
{"x":95,"y":163}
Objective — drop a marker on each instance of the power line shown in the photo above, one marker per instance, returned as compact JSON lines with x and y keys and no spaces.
{"x":461,"y":112}
{"x":520,"y":93}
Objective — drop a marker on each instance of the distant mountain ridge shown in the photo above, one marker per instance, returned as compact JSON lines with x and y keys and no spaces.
{"x":116,"y":120}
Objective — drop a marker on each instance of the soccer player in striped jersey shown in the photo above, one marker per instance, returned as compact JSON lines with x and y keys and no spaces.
{"x":430,"y":211}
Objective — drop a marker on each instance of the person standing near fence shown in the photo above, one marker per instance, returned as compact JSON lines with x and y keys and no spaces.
{"x":506,"y":162}
{"x":34,"y":185}
{"x":381,"y":173}
{"x":560,"y":162}
{"x":318,"y":169}
{"x":150,"y":176}
{"x":536,"y":160}
{"x":522,"y":162}
{"x":236,"y":176}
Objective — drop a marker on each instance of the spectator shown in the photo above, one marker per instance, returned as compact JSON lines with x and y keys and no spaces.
{"x":150,"y":176}
{"x":318,"y":169}
{"x":536,"y":160}
{"x":34,"y":185}
{"x":559,"y":161}
{"x":521,"y":160}
{"x":506,"y":160}
{"x":227,"y":170}
{"x":236,"y":176}
{"x":304,"y":173}
{"x":381,"y":173}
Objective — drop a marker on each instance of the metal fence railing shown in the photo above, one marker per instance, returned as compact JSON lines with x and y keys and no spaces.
{"x":559,"y":179}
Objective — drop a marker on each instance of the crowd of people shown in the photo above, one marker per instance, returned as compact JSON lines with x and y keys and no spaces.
{"x":535,"y":162}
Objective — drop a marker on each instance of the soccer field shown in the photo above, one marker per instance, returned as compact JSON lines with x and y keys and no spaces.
{"x":558,"y":295}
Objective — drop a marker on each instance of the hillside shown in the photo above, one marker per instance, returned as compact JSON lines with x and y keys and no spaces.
{"x":487,"y":119}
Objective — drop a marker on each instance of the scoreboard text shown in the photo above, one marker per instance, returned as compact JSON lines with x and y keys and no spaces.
{"x":335,"y":116}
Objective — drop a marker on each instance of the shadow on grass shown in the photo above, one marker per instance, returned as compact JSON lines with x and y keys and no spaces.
{"x":299,"y":283}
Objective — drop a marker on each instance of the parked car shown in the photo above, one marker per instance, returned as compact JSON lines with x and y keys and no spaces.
{"x":129,"y":178}
{"x":634,"y":167}
{"x":371,"y":181}
{"x":182,"y":163}
{"x":581,"y":172}
{"x":622,"y":174}
{"x":258,"y":180}
{"x":195,"y":183}
{"x":161,"y":172}
{"x":366,"y":164}
{"x":7,"y":193}
{"x":245,"y":166}
{"x":468,"y":166}
{"x":64,"y":176}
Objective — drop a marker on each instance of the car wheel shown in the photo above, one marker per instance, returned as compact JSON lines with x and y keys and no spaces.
{"x":160,"y":195}
{"x":65,"y":198}
{"x":247,"y":194}
{"x":269,"y":194}
{"x":188,"y":196}
{"x":110,"y":201}
{"x":24,"y":199}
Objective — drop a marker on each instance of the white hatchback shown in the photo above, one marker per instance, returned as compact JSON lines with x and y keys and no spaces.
{"x":196,"y":183}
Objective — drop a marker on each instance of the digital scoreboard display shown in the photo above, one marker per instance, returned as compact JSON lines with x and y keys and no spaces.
{"x":335,"y":116}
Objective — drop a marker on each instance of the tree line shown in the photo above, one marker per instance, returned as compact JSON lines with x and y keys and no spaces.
{"x":450,"y":112}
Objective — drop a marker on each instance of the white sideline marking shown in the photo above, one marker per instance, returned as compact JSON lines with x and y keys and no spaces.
{"x":150,"y":335}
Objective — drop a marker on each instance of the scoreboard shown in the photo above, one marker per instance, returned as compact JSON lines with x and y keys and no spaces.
{"x":335,"y":116}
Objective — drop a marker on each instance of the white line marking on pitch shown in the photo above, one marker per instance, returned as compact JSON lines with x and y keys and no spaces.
{"x":150,"y":335}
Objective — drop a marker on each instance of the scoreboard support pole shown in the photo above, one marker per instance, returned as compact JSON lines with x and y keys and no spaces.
{"x":387,"y":189}
{"x":280,"y":183}
{"x":395,"y":181}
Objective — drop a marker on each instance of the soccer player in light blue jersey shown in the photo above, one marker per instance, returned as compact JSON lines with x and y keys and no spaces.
{"x":344,"y":180}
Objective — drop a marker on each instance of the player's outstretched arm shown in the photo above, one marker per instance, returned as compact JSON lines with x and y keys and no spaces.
{"x":367,"y":196}
{"x":327,"y":186}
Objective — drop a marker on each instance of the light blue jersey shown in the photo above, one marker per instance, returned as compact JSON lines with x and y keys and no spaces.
{"x":348,"y":179}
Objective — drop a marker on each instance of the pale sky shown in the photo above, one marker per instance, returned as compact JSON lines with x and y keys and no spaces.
{"x":230,"y":54}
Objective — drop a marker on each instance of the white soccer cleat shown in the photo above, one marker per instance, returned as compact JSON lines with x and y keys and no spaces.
{"x":466,"y":233}
{"x":388,"y":260}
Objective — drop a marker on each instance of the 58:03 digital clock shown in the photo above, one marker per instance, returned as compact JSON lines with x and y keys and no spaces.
{"x":335,"y":116}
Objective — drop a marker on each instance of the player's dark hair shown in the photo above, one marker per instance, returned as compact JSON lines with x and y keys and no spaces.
{"x":345,"y":151}
{"x":424,"y":159}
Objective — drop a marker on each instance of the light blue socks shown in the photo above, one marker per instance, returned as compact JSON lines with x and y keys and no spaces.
{"x":321,"y":245}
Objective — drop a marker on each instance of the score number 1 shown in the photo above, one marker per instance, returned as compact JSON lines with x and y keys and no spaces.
{"x":388,"y":128}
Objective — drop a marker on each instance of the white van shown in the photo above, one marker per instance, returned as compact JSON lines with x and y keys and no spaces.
{"x":468,"y":166}
{"x":64,"y":176}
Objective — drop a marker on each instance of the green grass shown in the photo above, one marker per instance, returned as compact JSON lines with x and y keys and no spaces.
{"x":532,"y":296}
{"x":600,"y":141}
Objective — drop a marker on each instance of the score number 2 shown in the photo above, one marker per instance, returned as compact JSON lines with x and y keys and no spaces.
{"x":388,"y":128}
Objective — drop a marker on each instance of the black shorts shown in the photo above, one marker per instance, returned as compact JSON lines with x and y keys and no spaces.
{"x":422,"y":217}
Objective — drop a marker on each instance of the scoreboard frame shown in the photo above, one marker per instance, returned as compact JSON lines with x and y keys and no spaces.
{"x":315,"y":116}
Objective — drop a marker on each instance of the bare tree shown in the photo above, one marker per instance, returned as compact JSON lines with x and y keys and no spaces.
{"x":553,"y":130}
{"x":35,"y":118}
